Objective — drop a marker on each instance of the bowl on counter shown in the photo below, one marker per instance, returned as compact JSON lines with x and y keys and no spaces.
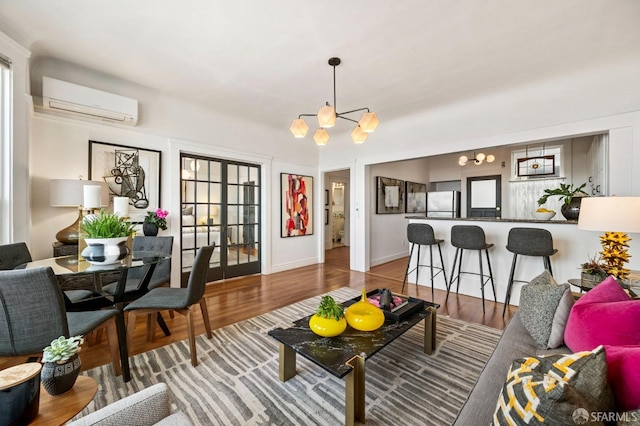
{"x":544,"y":215}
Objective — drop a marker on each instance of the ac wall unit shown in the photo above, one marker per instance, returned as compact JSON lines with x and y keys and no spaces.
{"x":61,"y":96}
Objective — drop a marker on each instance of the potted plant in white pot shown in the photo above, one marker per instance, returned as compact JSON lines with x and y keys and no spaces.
{"x":106,"y":235}
{"x":572,"y":197}
{"x":61,"y":364}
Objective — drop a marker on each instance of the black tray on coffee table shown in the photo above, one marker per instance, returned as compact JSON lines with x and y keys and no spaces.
{"x":412,"y":306}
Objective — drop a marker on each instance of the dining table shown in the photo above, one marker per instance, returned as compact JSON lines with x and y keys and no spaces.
{"x":77,"y":266}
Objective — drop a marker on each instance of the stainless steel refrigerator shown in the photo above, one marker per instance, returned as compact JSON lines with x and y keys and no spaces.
{"x":443,"y":204}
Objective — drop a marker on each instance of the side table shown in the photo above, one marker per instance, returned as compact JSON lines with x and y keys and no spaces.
{"x":59,"y":409}
{"x":631,"y":290}
{"x":60,"y":249}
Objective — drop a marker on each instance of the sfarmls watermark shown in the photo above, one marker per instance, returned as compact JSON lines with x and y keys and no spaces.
{"x":581,"y":416}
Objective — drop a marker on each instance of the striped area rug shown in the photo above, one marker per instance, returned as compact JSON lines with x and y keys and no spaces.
{"x":236,"y":381}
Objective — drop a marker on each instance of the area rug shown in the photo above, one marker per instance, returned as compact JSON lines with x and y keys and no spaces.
{"x":236,"y":381}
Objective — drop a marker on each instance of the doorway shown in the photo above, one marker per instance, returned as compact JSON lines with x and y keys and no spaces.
{"x":220,"y":202}
{"x":337,"y":215}
{"x":484,"y":196}
{"x":336,"y":230}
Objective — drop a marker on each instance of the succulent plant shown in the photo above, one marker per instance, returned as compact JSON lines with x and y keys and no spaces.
{"x":62,"y":348}
{"x":330,"y":309}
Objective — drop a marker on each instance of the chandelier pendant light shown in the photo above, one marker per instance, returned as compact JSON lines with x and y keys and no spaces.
{"x":327,"y":116}
{"x":477,"y":159}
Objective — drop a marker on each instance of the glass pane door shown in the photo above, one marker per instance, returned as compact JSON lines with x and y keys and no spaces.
{"x":221,"y":205}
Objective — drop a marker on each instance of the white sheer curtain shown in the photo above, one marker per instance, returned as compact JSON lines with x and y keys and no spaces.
{"x":6,"y":154}
{"x":524,"y":195}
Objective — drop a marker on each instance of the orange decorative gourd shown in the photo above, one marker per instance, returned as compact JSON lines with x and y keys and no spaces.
{"x":363,"y":315}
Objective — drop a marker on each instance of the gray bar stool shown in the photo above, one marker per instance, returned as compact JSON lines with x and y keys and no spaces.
{"x":470,"y":237}
{"x":528,"y":242}
{"x":422,"y":235}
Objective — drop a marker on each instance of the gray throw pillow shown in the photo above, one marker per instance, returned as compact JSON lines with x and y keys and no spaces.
{"x":544,"y":309}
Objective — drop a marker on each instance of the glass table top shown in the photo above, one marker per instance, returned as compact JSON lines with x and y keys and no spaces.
{"x":64,"y":265}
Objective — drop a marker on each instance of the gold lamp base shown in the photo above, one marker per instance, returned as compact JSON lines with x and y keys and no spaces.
{"x":70,"y":234}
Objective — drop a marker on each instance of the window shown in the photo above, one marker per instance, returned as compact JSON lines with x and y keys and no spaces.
{"x":6,"y":152}
{"x":537,"y":162}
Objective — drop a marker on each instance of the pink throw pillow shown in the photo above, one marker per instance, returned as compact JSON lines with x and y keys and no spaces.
{"x":605,"y":315}
{"x":607,"y":291}
{"x":624,"y":375}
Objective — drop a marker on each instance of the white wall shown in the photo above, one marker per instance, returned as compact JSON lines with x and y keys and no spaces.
{"x":601,"y":99}
{"x":388,"y":232}
{"x":294,"y":252}
{"x":59,"y":147}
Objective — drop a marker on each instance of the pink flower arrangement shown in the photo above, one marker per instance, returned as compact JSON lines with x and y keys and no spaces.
{"x":158,"y":218}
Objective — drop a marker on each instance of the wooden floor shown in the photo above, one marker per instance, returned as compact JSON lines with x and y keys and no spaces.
{"x":241,"y":298}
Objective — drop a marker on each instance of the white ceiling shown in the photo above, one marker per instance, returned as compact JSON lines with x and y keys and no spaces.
{"x":267,"y":60}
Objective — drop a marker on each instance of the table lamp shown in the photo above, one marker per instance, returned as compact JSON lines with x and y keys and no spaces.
{"x":615,"y":216}
{"x":70,"y":193}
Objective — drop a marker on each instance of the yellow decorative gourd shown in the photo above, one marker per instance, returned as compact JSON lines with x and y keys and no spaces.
{"x":328,"y":320}
{"x":363,"y":315}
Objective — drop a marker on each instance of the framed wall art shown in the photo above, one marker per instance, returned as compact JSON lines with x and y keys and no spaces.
{"x":389,"y":195}
{"x":130,"y":172}
{"x":416,"y":197}
{"x":296,"y":205}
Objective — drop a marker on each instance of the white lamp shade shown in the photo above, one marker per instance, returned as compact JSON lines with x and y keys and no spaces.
{"x":480,"y":157}
{"x":299,"y":128}
{"x":368,"y":122}
{"x":490,"y":158}
{"x":463,"y":160}
{"x":326,"y":117}
{"x":614,"y":214}
{"x":321,"y":137}
{"x":358,"y":135}
{"x":70,"y":193}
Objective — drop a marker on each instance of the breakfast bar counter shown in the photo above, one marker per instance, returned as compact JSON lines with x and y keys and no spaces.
{"x":574,"y":248}
{"x":493,"y":219}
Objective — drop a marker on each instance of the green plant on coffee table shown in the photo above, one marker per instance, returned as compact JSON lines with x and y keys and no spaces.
{"x":595,"y":266}
{"x":566,"y":192}
{"x":106,"y":225}
{"x":328,"y":308}
{"x":62,"y":348}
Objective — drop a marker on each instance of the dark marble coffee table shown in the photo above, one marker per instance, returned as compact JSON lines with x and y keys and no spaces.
{"x":344,"y":356}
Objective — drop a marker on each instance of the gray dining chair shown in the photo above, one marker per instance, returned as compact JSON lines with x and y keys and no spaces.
{"x":180,"y":300}
{"x":13,"y":255}
{"x":16,"y":255}
{"x":32,"y":314}
{"x":161,"y":276}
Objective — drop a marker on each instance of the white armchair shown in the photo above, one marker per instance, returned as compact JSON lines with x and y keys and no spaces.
{"x":150,"y":406}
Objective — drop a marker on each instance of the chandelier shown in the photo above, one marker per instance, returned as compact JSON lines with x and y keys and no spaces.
{"x":477,"y":159}
{"x":327,"y":118}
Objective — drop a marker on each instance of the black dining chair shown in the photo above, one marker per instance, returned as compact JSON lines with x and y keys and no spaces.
{"x":32,"y":314}
{"x":180,"y":300}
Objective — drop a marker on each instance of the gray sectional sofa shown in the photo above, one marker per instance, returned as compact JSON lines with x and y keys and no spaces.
{"x":516,"y":342}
